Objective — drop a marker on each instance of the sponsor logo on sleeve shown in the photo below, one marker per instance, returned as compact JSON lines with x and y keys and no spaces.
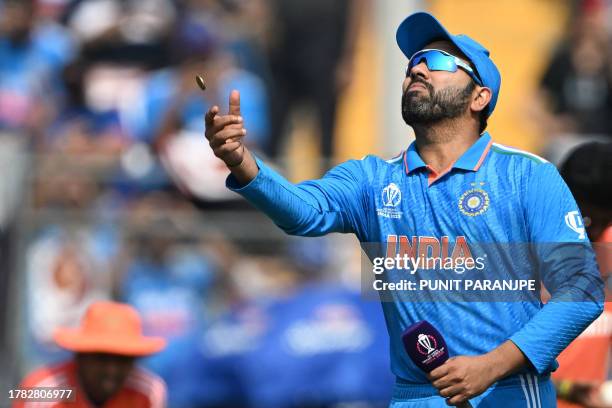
{"x":574,"y":221}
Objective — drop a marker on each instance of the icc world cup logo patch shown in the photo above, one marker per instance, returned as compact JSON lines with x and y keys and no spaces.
{"x":391,"y":195}
{"x":391,"y":198}
{"x":474,"y":202}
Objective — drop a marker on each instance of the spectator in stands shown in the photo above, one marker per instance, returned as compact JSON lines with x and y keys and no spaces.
{"x":67,"y":264}
{"x":171,"y":108}
{"x":127,"y":32}
{"x":65,"y":274}
{"x":173,"y":101}
{"x":32,"y":55}
{"x":311,"y":55}
{"x":233,"y":22}
{"x":583,"y":366}
{"x":79,"y":129}
{"x":576,"y":88}
{"x":102,"y":372}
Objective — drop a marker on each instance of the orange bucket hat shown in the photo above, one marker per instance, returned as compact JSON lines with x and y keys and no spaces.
{"x":109,"y":327}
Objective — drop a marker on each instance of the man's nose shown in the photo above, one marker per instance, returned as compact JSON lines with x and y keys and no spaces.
{"x":419,"y":70}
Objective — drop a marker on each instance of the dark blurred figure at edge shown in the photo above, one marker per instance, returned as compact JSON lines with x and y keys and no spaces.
{"x":311,"y":53}
{"x":583,"y":366}
{"x":576,"y":88}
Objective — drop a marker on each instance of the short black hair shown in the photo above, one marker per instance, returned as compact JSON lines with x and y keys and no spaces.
{"x":587,"y":170}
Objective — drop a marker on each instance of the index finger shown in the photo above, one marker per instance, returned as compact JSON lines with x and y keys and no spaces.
{"x":209,"y":119}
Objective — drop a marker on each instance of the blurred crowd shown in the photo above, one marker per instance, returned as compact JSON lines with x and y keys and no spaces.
{"x":99,"y":76}
{"x":109,"y":192}
{"x":112,"y":194}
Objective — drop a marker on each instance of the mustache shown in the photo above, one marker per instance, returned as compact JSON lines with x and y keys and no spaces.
{"x":414,"y":79}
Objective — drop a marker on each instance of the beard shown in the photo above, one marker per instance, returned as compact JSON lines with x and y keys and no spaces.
{"x":419,"y":108}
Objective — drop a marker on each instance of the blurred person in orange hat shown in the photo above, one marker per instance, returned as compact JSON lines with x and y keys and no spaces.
{"x":584,"y":365}
{"x":102,"y":372}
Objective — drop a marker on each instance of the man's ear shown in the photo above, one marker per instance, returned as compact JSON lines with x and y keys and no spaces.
{"x":481,"y":98}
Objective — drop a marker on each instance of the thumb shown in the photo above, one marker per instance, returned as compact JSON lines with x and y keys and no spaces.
{"x":234,"y":103}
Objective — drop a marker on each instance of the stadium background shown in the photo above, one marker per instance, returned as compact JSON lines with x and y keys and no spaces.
{"x":107,"y":189}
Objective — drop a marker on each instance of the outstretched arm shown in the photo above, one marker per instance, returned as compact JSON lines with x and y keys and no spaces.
{"x":335,"y":203}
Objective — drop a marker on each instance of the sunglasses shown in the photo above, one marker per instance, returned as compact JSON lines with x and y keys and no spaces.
{"x":438,"y":60}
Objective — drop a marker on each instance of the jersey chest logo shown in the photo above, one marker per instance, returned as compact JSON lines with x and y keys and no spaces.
{"x":391,"y":195}
{"x":391,"y":198}
{"x":474,"y":202}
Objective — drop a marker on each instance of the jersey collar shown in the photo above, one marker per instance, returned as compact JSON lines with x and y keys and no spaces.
{"x":471,"y":160}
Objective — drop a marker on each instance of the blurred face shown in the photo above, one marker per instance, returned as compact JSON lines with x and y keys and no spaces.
{"x":16,"y":21}
{"x":432,"y":96}
{"x":102,"y":375}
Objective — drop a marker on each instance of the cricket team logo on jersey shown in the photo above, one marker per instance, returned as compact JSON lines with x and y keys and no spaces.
{"x":574,"y":221}
{"x":474,"y":202}
{"x":391,"y":198}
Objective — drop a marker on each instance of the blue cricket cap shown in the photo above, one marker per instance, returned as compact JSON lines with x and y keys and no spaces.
{"x":419,"y":29}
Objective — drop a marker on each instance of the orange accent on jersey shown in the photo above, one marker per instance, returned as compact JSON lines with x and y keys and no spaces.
{"x":433,"y":176}
{"x":444,"y":251}
{"x":484,"y":154}
{"x":427,"y":243}
{"x":588,"y":356}
{"x":142,"y":389}
{"x":406,"y":248}
{"x":461,"y":250}
{"x":391,"y":245}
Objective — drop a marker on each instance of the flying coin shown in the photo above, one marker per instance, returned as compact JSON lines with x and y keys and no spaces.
{"x":200,"y":82}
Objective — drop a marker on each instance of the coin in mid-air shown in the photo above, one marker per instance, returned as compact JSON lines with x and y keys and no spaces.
{"x":200,"y":82}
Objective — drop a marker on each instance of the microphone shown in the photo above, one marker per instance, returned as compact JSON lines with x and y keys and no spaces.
{"x":426,"y":348}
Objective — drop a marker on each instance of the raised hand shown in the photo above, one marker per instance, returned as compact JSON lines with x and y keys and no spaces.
{"x":225,"y":133}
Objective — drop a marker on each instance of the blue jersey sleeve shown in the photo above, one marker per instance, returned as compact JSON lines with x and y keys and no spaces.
{"x":334,"y":203}
{"x":567,"y":267}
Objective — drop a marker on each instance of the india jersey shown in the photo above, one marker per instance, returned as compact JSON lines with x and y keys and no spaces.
{"x":491,"y":194}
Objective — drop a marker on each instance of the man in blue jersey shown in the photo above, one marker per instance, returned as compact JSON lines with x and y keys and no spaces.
{"x":451,"y":190}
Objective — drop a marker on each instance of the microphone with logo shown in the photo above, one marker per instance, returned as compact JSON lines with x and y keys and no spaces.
{"x":426,"y":348}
